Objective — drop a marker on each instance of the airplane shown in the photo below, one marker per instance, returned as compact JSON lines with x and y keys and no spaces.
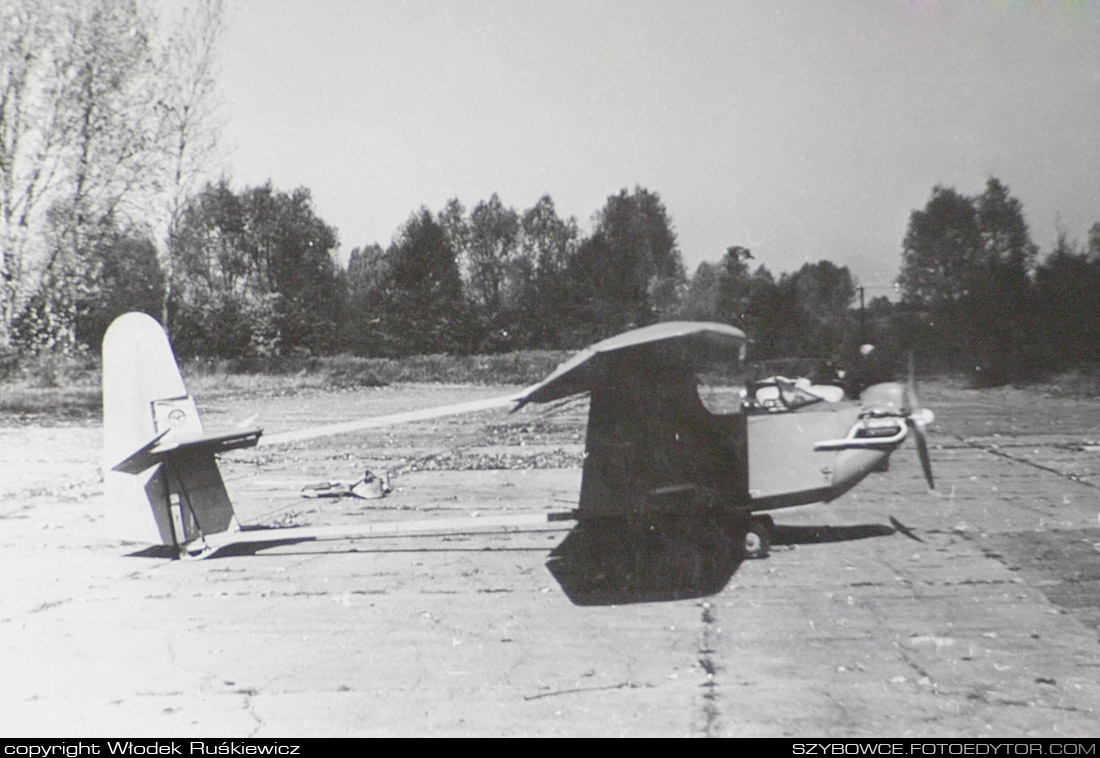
{"x":673,"y":495}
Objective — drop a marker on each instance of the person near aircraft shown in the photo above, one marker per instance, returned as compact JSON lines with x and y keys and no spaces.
{"x":871,"y":367}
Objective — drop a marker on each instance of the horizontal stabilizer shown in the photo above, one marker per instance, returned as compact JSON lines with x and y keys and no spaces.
{"x":159,"y":448}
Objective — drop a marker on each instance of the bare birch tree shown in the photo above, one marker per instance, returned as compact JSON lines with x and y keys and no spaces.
{"x":188,"y":124}
{"x":105,"y":89}
{"x":107,"y":123}
{"x":34,"y":132}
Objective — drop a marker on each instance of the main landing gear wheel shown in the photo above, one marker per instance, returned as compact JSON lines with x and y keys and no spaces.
{"x":758,"y":540}
{"x":751,"y":535}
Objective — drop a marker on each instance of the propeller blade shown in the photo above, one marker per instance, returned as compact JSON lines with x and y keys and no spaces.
{"x":918,"y":417}
{"x":922,"y":453}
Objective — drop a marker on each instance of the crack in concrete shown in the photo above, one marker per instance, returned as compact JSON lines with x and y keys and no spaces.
{"x":576,"y":690}
{"x":925,"y":680}
{"x":41,"y":607}
{"x":710,"y":710}
{"x":922,"y":675}
{"x":998,"y":450}
{"x":250,"y":709}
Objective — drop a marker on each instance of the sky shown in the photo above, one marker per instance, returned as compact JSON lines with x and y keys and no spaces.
{"x":801,"y":129}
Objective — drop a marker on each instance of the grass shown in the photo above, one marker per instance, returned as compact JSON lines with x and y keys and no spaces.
{"x":522,"y":367}
{"x":50,"y":388}
{"x":45,"y":389}
{"x":20,"y":405}
{"x":1080,"y":382}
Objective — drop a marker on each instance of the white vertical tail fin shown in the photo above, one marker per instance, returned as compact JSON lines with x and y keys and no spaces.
{"x":161,"y":479}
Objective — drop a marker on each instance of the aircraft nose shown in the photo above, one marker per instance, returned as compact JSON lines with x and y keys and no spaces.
{"x":851,"y":466}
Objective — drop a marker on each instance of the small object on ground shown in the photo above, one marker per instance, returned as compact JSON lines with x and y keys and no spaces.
{"x":370,"y":487}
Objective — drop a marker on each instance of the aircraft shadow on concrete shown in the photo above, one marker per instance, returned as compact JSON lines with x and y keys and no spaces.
{"x":623,"y":560}
{"x":812,"y":535}
{"x":236,"y":549}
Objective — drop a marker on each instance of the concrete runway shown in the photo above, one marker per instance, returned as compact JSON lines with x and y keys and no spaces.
{"x":990,"y":627}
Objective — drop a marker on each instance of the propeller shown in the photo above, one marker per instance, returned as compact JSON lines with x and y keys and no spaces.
{"x":917,"y":418}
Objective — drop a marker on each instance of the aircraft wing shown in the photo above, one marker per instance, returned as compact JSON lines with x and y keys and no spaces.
{"x":685,"y":344}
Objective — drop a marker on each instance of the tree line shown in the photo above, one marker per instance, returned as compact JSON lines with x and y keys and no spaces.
{"x":254,"y":274}
{"x":978,"y":296}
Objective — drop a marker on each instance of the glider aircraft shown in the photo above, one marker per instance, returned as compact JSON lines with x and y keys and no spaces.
{"x":673,"y":496}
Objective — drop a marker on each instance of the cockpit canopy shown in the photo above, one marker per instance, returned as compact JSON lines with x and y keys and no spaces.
{"x":776,"y":394}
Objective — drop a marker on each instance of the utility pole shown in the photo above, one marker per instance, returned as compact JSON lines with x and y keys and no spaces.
{"x":862,"y":319}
